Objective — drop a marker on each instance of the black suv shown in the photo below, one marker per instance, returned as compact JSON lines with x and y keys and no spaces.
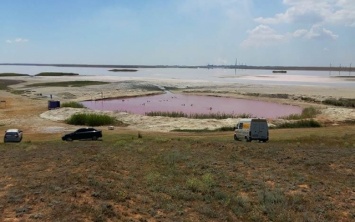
{"x":83,"y":133}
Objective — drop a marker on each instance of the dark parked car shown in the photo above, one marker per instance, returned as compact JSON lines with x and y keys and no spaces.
{"x":13,"y":135}
{"x":83,"y":133}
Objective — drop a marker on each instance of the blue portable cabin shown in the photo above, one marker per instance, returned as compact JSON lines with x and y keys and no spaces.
{"x":53,"y":104}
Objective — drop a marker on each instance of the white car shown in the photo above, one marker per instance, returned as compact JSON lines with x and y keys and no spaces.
{"x":13,"y":135}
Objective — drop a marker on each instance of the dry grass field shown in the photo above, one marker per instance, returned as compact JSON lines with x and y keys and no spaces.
{"x":131,"y":175}
{"x":181,"y":177}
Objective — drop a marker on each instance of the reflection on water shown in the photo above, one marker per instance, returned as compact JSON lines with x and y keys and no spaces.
{"x":192,"y":104}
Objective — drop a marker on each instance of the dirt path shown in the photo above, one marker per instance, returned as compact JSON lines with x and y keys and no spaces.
{"x":21,"y":112}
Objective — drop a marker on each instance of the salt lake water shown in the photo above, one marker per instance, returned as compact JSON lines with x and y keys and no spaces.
{"x":192,"y":104}
{"x":247,"y":76}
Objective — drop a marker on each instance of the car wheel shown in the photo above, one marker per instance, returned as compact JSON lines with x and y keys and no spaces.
{"x":235,"y":137}
{"x":94,"y":138}
{"x":69,"y":139}
{"x":247,"y":139}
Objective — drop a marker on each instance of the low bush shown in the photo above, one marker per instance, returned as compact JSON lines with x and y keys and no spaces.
{"x":73,"y":104}
{"x":204,"y":184}
{"x":309,"y":112}
{"x":340,"y":102}
{"x":211,"y":116}
{"x":167,"y":114}
{"x":300,"y":124}
{"x":90,"y":119}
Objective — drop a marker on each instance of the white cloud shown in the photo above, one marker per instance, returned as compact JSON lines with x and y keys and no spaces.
{"x":300,"y":14}
{"x":339,"y":12}
{"x":17,"y":40}
{"x":300,"y":33}
{"x":263,"y":35}
{"x":316,"y":32}
{"x":325,"y":33}
{"x":345,"y":16}
{"x":316,"y":14}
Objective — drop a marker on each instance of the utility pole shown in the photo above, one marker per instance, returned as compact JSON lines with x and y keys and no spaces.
{"x":235,"y":66}
{"x":339,"y":69}
{"x":350,"y":69}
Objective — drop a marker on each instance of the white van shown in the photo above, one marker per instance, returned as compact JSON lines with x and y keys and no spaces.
{"x":251,"y":129}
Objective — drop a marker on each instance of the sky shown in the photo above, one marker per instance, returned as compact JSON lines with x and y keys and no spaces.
{"x":178,"y":32}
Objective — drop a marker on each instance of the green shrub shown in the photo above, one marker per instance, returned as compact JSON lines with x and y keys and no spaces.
{"x":194,"y":184}
{"x":205,"y":184}
{"x":340,"y":102}
{"x":211,"y":116}
{"x":301,"y":124}
{"x":73,"y":105}
{"x":167,"y":114}
{"x":152,"y":178}
{"x":90,"y":119}
{"x":309,"y":112}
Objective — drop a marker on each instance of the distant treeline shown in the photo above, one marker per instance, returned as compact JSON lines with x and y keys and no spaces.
{"x":40,"y":74}
{"x":123,"y":70}
{"x":57,"y":74}
{"x":12,"y":74}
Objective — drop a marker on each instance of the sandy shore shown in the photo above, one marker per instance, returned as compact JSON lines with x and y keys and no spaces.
{"x":28,"y":109}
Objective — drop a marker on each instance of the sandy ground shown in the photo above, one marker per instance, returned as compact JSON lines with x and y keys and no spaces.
{"x":28,"y":110}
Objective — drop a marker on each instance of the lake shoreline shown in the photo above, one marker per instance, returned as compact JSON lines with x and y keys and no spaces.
{"x":29,"y":105}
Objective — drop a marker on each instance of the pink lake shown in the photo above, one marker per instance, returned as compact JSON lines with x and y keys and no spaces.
{"x":192,"y":104}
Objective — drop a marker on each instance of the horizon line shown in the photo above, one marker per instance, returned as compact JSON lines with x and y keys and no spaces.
{"x":209,"y":66}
